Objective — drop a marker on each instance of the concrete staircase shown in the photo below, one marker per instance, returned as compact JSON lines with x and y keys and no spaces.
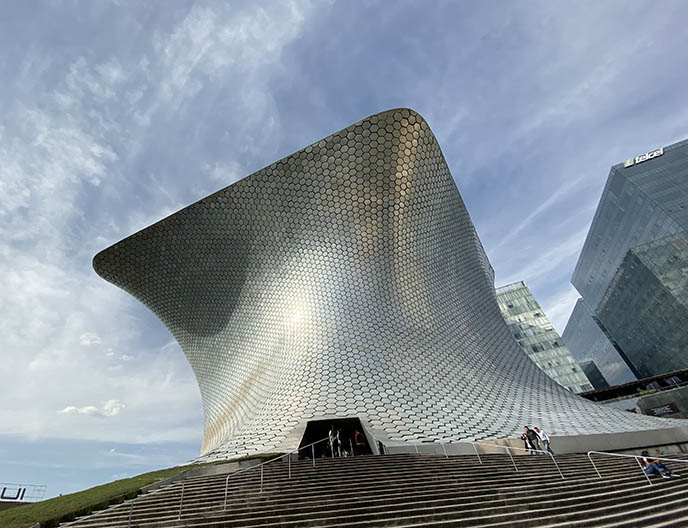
{"x":415,"y":490}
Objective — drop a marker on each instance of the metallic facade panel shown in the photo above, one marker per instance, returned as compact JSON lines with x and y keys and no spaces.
{"x":345,"y":279}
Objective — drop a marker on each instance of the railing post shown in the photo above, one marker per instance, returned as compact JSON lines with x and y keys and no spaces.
{"x":637,"y":459}
{"x":644,"y":472}
{"x":593,"y":464}
{"x":415,"y":445}
{"x":351,"y":445}
{"x":226,"y":488}
{"x":131,"y":510}
{"x":444,"y":449}
{"x":262,"y":470}
{"x":508,"y":450}
{"x":181,"y":501}
{"x":477,"y":454}
{"x":556,"y":465}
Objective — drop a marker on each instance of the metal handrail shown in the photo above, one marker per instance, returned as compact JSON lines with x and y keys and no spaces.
{"x":181,"y":501}
{"x":554,"y":460}
{"x":474,"y":449}
{"x":508,"y":450}
{"x":261,"y":466}
{"x":312,"y":445}
{"x":637,"y":459}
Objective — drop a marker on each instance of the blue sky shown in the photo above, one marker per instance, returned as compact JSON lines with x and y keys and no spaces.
{"x":116,"y":114}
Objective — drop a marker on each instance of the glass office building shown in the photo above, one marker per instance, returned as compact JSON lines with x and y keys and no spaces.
{"x":594,"y":375}
{"x":640,"y":203}
{"x":537,"y":337}
{"x":645,"y":199}
{"x":646,"y":306}
{"x":587,"y":342}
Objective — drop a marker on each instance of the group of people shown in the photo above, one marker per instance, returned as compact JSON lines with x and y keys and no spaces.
{"x":536,"y":440}
{"x":341,"y":444}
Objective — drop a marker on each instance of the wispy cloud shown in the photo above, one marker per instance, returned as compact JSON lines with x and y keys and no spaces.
{"x":539,"y":265}
{"x":559,"y":306}
{"x":546,"y":206}
{"x":89,"y":338}
{"x":106,"y":409}
{"x":94,"y":146}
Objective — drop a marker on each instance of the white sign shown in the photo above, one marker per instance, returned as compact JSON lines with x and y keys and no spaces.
{"x":639,"y":159}
{"x":21,"y":492}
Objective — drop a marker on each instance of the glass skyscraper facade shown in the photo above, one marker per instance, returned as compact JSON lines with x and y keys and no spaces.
{"x":640,"y":203}
{"x":625,"y":288}
{"x":587,"y":342}
{"x":537,"y":337}
{"x":594,"y":375}
{"x":645,"y":307}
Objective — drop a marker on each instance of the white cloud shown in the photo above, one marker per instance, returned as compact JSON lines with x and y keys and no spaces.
{"x":225,"y":173}
{"x":87,"y":410}
{"x":89,"y":338}
{"x":539,"y":265}
{"x":106,"y":409}
{"x":112,"y":408}
{"x":128,"y":458}
{"x":551,"y":202}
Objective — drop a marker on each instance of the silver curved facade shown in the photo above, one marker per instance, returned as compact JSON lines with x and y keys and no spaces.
{"x":344,"y":280}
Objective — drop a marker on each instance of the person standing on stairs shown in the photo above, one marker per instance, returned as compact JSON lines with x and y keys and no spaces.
{"x":338,"y":450}
{"x":332,"y":440}
{"x":526,"y":443}
{"x":359,"y":442}
{"x":343,"y":440}
{"x":544,"y":438}
{"x":533,"y":438}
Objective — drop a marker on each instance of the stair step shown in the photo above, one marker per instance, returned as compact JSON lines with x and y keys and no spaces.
{"x":412,"y":490}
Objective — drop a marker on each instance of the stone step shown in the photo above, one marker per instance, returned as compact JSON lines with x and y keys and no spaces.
{"x":173,"y":501}
{"x":329,"y":465}
{"x":371,"y":511}
{"x":362,"y":479}
{"x":307,"y":505}
{"x":405,"y":490}
{"x":189,"y":505}
{"x":483,"y":515}
{"x":355,"y":475}
{"x":463,"y":496}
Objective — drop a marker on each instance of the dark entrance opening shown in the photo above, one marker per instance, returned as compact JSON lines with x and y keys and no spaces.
{"x":347,"y":429}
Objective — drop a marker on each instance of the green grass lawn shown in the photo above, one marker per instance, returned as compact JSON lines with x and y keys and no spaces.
{"x":48,"y":512}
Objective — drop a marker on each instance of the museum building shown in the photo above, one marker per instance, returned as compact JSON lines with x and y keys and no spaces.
{"x":346,"y":281}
